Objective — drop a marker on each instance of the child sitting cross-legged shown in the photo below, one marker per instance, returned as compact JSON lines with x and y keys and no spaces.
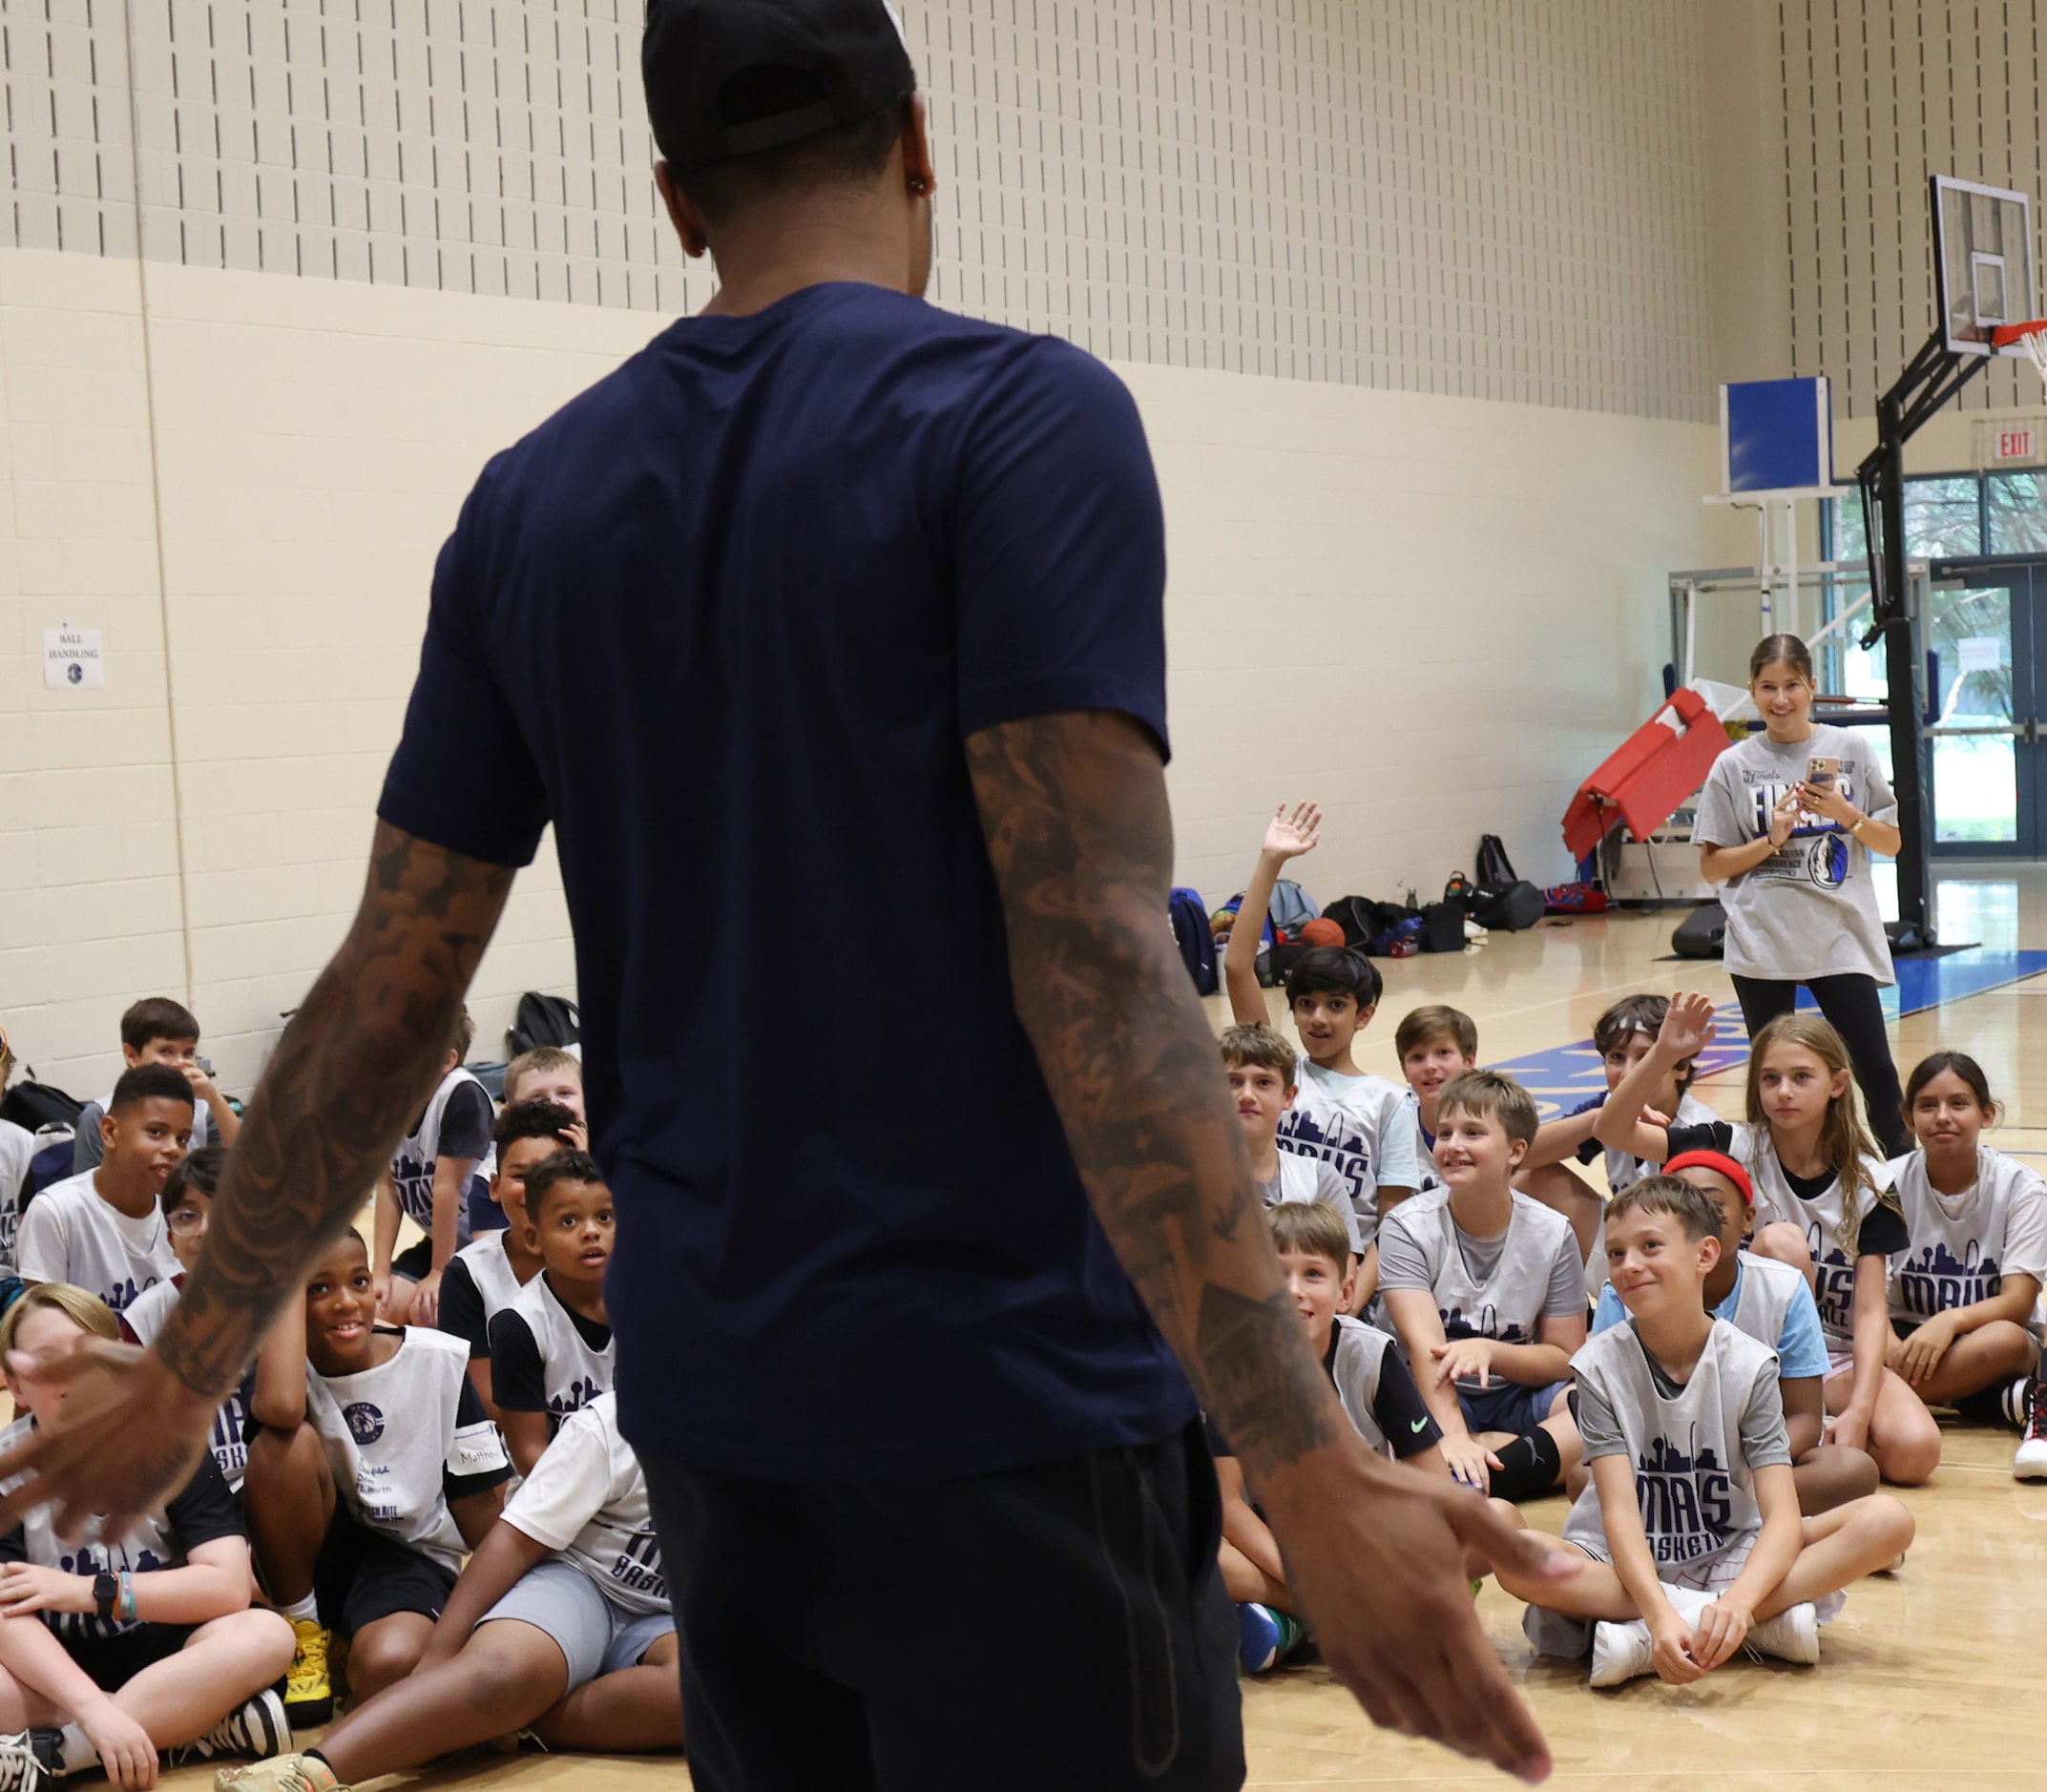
{"x":552,"y":1350}
{"x":114,"y":1647}
{"x":1487,"y":1292}
{"x":1377,"y":1394}
{"x":1260,"y":1066}
{"x":1691,"y":1522}
{"x":559,"y":1624}
{"x":373,"y":1469}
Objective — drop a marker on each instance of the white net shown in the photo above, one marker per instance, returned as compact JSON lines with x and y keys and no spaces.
{"x":2036,"y":344}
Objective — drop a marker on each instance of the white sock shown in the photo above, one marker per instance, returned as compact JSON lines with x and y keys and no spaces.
{"x":305,"y":1610}
{"x":79,"y":1756}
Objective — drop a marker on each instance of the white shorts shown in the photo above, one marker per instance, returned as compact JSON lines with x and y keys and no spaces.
{"x":1557,"y":1633}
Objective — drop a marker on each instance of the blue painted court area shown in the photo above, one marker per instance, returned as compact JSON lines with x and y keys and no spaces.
{"x":1563,"y":1076}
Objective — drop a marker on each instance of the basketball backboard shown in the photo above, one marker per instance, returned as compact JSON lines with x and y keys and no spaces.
{"x":1982,"y":263}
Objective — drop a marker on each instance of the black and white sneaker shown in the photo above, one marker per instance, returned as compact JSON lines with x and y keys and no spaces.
{"x":2030,"y":1462}
{"x":258,"y":1730}
{"x":21,"y":1769}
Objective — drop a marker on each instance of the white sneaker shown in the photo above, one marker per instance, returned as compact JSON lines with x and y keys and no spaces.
{"x":1622,"y":1653}
{"x":2030,"y":1462}
{"x":258,"y":1729}
{"x":20,"y":1771}
{"x":1792,"y":1636}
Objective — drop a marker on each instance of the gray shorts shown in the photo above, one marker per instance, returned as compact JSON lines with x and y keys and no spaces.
{"x":594,"y":1637}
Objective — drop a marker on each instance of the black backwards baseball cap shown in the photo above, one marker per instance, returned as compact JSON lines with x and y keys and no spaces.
{"x":849,"y":53}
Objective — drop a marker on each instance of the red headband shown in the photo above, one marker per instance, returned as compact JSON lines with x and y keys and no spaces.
{"x":1719,"y":1162}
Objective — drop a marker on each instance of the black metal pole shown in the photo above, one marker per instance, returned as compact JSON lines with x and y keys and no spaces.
{"x":1911,"y":759}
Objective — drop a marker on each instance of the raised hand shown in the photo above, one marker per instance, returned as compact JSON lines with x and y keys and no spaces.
{"x":1289,"y":836}
{"x":1689,"y":1026}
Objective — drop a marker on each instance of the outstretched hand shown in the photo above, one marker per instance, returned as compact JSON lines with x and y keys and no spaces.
{"x":130,"y":1435}
{"x":1289,"y":836}
{"x":1688,"y":1027}
{"x":1377,"y":1554}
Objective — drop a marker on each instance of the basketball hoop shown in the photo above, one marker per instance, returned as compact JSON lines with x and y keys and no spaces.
{"x":2030,"y":335}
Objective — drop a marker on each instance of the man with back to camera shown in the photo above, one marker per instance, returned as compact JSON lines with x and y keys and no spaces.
{"x":827,"y":590}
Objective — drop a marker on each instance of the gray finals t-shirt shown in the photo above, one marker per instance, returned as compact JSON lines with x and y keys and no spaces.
{"x":1810,"y":908}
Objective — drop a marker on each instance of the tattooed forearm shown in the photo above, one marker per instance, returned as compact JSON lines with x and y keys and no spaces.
{"x":1073,"y":809}
{"x":353,"y":1066}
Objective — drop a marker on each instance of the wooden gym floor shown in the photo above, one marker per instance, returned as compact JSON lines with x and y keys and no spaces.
{"x":1930,"y":1676}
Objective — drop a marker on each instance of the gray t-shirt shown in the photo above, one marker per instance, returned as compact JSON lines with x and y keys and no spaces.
{"x":1810,"y":908}
{"x":1765,"y":1440}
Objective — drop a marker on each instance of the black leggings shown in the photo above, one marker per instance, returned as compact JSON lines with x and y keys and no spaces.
{"x":1852,"y":1003}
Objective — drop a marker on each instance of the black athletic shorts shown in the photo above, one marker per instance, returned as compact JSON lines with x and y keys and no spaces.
{"x":1059,"y":1626}
{"x":416,"y":1262}
{"x":113,"y":1661}
{"x":362,"y":1576}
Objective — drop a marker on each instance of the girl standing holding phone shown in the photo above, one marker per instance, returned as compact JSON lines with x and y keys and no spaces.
{"x":1786,"y":822}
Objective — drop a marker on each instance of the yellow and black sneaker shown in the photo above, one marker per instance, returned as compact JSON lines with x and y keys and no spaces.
{"x":308,"y":1692}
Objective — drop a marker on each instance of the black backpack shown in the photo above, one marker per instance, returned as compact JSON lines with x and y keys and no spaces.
{"x":34,"y":1106}
{"x":544,"y":1020}
{"x":1493,"y":864}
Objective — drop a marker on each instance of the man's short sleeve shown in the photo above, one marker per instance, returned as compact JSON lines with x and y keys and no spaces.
{"x":1060,"y":548}
{"x":1717,"y":820}
{"x":42,"y":1246}
{"x":1766,"y":1443}
{"x":463,"y":777}
{"x":1397,"y":1405}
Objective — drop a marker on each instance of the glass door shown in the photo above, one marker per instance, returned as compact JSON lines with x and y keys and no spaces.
{"x":1985,"y":639}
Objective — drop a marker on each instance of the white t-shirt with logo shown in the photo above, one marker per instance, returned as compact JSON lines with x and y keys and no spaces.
{"x":18,"y":1150}
{"x":586,"y":1500}
{"x":399,"y":1435}
{"x":1810,"y":908}
{"x":145,"y":1319}
{"x":1309,"y":1180}
{"x":1360,"y":1126}
{"x":71,"y":1232}
{"x":1964,"y":1245}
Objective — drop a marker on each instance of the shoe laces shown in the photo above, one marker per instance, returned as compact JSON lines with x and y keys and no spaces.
{"x":2036,"y":1414}
{"x":309,"y":1661}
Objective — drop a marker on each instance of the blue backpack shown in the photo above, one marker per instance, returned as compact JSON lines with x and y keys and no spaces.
{"x":1196,"y":939}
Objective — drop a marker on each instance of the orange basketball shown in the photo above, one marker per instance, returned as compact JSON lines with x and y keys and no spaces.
{"x":1321,"y":933}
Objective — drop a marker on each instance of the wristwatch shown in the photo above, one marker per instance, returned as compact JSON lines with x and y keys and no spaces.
{"x":106,"y":1589}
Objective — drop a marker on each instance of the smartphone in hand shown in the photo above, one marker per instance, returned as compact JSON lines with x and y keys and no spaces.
{"x":1822,"y":774}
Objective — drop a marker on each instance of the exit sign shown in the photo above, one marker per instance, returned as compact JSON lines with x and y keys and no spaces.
{"x":2014,"y":445}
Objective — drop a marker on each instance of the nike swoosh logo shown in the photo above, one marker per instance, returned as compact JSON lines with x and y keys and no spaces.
{"x":1419,"y":1425}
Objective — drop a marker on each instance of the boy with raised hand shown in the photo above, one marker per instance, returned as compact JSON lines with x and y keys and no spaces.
{"x":1375,"y":1390}
{"x":559,"y":1624}
{"x":1773,"y":1303}
{"x":103,"y":1229}
{"x":1259,"y":1065}
{"x":158,"y":1031}
{"x":1436,"y":1042}
{"x":1486,"y":1291}
{"x":1692,"y":1520}
{"x":552,"y":1350}
{"x":444,"y":1151}
{"x":1359,"y":1124}
{"x":484,"y":1276}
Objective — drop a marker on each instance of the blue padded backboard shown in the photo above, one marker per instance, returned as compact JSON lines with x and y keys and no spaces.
{"x":1776,"y":435}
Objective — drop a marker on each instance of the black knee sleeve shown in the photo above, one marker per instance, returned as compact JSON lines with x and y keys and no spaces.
{"x":1529,"y":1467}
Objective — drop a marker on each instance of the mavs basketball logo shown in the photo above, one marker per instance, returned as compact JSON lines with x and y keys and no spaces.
{"x":1935,"y":1280}
{"x":1342,"y":1148}
{"x":1833,"y":1281}
{"x":1685,"y":1500}
{"x":365,"y":1422}
{"x":1816,"y":853}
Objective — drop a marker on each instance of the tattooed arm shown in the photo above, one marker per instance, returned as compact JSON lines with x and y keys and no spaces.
{"x":355,"y":1063}
{"x":1073,"y":809}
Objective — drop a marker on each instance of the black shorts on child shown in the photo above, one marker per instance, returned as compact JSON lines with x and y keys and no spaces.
{"x":416,"y":1262}
{"x":111,"y":1662}
{"x":362,"y":1575}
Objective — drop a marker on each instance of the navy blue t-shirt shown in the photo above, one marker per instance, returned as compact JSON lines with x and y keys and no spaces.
{"x":725,"y":619}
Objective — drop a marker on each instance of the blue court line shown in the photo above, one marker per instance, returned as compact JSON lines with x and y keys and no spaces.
{"x":1562,"y":1077}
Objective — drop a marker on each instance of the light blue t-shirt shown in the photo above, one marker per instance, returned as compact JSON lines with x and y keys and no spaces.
{"x":1801,"y":1349}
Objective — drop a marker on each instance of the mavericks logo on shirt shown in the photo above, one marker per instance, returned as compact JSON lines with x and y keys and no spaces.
{"x":365,"y":1422}
{"x":577,"y":1395}
{"x":1685,"y":1503}
{"x":1935,"y":1280}
{"x":1342,"y":1148}
{"x":1833,"y":1282}
{"x":1816,"y":853}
